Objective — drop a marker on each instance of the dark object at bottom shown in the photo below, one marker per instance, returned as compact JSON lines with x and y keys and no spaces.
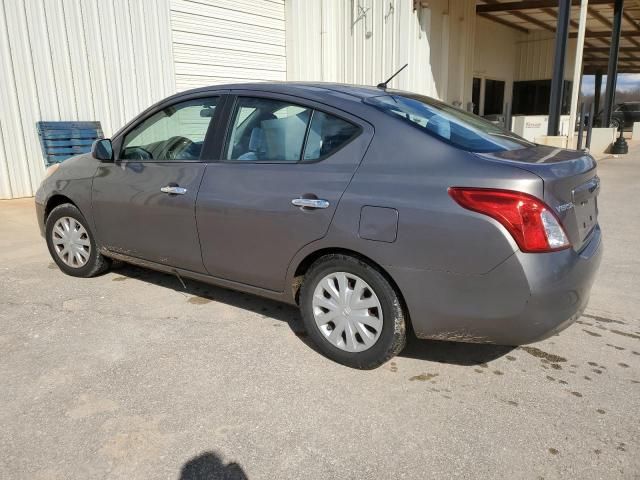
{"x":620,"y":145}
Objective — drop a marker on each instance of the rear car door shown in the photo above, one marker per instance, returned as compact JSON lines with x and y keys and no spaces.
{"x":144,"y":202}
{"x":285,"y":164}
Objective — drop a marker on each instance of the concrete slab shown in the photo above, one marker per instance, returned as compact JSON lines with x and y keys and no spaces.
{"x":128,"y":376}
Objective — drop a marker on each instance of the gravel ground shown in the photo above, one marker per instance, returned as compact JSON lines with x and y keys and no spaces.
{"x":130,"y":376}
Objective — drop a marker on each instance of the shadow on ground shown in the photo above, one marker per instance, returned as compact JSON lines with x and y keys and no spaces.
{"x":209,"y":466}
{"x":456,"y":353}
{"x":429,"y":350}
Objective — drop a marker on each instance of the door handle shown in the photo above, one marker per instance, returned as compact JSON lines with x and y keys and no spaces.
{"x":310,"y":203}
{"x":173,"y":190}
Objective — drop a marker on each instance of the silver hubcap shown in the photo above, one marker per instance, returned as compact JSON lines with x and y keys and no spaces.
{"x":71,"y":242}
{"x":347,"y":312}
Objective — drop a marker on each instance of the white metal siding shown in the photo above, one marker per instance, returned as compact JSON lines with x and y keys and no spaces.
{"x":226,"y":41}
{"x":330,"y":40}
{"x":495,"y":55}
{"x":536,"y":52}
{"x":70,"y":60}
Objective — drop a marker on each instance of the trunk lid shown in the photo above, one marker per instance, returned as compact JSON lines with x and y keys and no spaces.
{"x":570,"y":183}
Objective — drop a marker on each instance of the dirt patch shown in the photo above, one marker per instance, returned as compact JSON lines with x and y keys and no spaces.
{"x":625,"y":334}
{"x":536,"y":352}
{"x":593,"y":334}
{"x":199,"y":300}
{"x":423,"y":377}
{"x":603,"y":319}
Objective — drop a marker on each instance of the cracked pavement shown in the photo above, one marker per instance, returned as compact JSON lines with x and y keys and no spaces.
{"x":130,"y":376}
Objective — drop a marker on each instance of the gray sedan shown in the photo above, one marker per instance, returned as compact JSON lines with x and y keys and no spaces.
{"x":376,"y":211}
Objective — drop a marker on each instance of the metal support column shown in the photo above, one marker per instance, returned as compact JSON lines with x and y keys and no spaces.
{"x":596,"y":95}
{"x":577,"y":72}
{"x":612,"y":71}
{"x":557,"y":81}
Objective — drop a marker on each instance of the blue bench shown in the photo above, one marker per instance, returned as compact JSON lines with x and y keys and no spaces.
{"x":61,"y":140}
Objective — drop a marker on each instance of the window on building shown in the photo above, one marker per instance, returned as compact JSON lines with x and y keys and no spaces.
{"x":493,"y":97}
{"x":174,"y":133}
{"x":475,"y":95}
{"x":533,"y":97}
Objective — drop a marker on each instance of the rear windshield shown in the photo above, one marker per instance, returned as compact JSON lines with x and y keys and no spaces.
{"x":457,"y":127}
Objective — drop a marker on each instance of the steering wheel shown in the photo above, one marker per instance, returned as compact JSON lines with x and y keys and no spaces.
{"x":175,"y":146}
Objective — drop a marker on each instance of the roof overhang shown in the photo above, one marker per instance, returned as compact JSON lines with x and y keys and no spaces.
{"x":530,"y":15}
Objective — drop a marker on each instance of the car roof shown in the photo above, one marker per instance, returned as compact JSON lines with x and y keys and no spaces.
{"x":300,"y":88}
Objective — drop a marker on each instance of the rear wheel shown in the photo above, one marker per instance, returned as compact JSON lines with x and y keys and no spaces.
{"x":352,"y":312}
{"x":71,"y":243}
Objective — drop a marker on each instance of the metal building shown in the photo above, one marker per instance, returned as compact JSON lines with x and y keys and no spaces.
{"x":106,"y":60}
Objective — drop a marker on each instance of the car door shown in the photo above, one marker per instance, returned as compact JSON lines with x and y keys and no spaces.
{"x":285,"y":164}
{"x":144,"y":201}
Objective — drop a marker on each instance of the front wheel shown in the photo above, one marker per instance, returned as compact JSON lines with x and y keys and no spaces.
{"x":352,"y":312}
{"x":71,"y":243}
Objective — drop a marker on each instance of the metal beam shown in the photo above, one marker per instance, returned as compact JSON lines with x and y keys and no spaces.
{"x":557,"y":80}
{"x":551,"y":12}
{"x":606,"y":59}
{"x":596,"y":93}
{"x":604,"y":34}
{"x":523,"y":16}
{"x":501,"y":21}
{"x":612,"y":72}
{"x":594,"y":69}
{"x":606,"y":49}
{"x":605,"y":21}
{"x":529,"y":5}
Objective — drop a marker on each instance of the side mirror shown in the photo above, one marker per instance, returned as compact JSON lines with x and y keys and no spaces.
{"x":102,"y":150}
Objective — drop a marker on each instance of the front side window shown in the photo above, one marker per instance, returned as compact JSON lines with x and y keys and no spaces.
{"x":457,"y":127}
{"x":172,"y":134}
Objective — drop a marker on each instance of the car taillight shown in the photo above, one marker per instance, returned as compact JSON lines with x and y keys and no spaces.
{"x":533,"y":224}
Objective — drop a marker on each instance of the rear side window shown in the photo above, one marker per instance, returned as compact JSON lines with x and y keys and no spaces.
{"x":274,"y":131}
{"x":327,"y":134}
{"x":456,"y":127}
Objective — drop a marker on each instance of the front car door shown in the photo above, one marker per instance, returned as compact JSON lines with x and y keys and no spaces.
{"x":281,"y":153}
{"x":144,"y":202}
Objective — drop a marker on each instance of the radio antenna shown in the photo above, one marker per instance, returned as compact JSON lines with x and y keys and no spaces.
{"x":384,"y":84}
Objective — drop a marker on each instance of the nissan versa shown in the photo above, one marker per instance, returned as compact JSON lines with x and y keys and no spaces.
{"x":376,"y":211}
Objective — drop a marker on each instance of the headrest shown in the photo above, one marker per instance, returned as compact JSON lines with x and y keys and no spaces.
{"x":256,"y":141}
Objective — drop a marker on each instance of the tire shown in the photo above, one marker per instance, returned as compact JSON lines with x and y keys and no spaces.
{"x":91,"y":264}
{"x":369,"y":346}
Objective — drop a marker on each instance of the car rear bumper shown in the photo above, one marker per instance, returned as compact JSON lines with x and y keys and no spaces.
{"x":527,"y":298}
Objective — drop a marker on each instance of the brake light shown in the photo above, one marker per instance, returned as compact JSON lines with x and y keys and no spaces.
{"x":533,"y":224}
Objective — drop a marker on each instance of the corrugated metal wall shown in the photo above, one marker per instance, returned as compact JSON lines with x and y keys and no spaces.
{"x":100,"y":60}
{"x":225,"y":41}
{"x":365,"y":41}
{"x":536,"y":52}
